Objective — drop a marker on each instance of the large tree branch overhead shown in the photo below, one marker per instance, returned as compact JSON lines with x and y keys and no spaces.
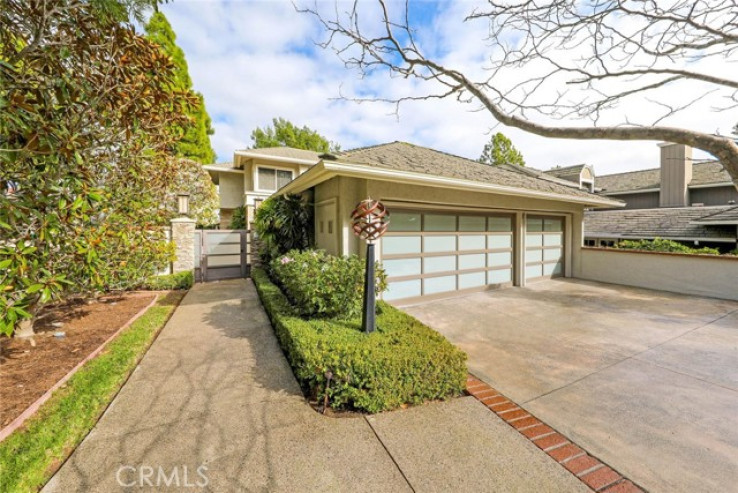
{"x":567,"y":69}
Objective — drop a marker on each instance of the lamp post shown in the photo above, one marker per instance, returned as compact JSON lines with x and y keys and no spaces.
{"x":183,"y":203}
{"x":369,"y":220}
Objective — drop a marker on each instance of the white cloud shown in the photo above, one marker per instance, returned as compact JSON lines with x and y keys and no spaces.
{"x":254,"y":61}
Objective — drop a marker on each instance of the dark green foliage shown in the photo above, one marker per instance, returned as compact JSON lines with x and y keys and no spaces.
{"x":733,"y":252}
{"x":193,"y":137}
{"x":324,"y":285}
{"x":402,"y":362}
{"x":283,"y":223}
{"x":28,"y":455}
{"x":661,"y":245}
{"x":170,"y":282}
{"x":238,"y":220}
{"x":284,"y":133}
{"x":500,"y":150}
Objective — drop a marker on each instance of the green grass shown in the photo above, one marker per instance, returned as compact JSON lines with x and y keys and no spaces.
{"x":30,"y":456}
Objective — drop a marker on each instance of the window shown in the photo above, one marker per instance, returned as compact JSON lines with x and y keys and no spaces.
{"x":273,"y":179}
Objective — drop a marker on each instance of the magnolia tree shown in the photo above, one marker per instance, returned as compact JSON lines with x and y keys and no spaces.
{"x":85,"y":110}
{"x":563,"y":69}
{"x":186,"y":175}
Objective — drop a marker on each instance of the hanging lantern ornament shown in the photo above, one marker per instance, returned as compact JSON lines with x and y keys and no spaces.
{"x":370,"y":220}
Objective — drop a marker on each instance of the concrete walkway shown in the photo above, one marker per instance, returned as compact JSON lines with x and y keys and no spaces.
{"x":214,"y":407}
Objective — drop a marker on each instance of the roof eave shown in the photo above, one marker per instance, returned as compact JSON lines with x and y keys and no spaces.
{"x":266,"y":157}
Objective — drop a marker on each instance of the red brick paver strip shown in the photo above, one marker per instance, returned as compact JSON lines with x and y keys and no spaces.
{"x":590,"y":470}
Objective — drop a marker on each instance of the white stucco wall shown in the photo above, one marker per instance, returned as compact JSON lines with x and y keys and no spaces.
{"x":702,"y":275}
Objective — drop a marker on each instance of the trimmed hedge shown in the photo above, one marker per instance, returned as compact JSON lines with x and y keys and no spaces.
{"x":402,"y":362}
{"x":170,"y":282}
{"x":662,"y":245}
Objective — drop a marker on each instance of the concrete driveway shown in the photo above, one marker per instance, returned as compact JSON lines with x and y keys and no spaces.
{"x":645,"y":380}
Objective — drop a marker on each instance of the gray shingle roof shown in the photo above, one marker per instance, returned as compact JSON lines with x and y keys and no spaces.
{"x":729,"y":215}
{"x":702,"y":174}
{"x":570,"y":173}
{"x":409,"y":157}
{"x":286,"y":152}
{"x":674,"y":223}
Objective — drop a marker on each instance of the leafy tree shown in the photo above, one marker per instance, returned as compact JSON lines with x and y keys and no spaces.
{"x":284,"y":133}
{"x":238,"y":220}
{"x":562,"y":69}
{"x":283,"y":223}
{"x":500,"y":150}
{"x":186,"y":175}
{"x":85,"y":108}
{"x":194,"y":135}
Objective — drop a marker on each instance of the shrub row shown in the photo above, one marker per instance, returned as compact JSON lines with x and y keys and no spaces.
{"x":402,"y":362}
{"x":662,"y":245}
{"x":322,"y":285}
{"x":169,"y":282}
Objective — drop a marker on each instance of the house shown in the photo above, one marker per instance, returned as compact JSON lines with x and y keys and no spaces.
{"x":581,"y":174}
{"x":456,"y":225}
{"x":254,"y":175}
{"x":673,"y":202}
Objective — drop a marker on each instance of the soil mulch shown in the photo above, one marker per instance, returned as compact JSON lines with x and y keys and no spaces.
{"x":29,"y":367}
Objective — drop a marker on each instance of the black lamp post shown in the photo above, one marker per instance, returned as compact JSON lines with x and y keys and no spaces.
{"x":370,"y":220}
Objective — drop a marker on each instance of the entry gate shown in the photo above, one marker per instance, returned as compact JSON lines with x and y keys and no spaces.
{"x":221,"y":254}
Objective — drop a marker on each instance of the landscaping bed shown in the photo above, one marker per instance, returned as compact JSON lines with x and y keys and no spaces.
{"x":402,"y":363}
{"x":31,"y":366}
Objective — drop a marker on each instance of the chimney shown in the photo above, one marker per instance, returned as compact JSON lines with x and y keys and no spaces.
{"x":676,"y":174}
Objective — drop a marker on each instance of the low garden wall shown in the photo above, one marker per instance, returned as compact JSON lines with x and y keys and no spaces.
{"x":703,"y":275}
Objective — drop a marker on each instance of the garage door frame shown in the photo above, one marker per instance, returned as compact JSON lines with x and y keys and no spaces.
{"x":563,"y":246}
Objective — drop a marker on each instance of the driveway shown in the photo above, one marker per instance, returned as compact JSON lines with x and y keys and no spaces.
{"x":645,"y":380}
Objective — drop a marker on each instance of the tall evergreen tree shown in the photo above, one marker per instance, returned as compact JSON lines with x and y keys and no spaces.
{"x":500,"y":150}
{"x":285,"y":133}
{"x":194,"y":141}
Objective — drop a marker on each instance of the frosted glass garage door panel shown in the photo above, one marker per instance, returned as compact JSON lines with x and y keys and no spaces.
{"x":533,"y":240}
{"x":499,"y":224}
{"x":499,"y":259}
{"x":433,"y":285}
{"x":471,"y":242}
{"x":439,"y":264}
{"x":552,"y":269}
{"x":440,"y":222}
{"x":499,"y":241}
{"x":472,"y":223}
{"x":552,"y":240}
{"x":475,"y":261}
{"x":439,"y":244}
{"x":402,"y":289}
{"x":553,"y":225}
{"x":394,"y":245}
{"x":404,"y":221}
{"x":402,"y":267}
{"x":552,"y":254}
{"x":532,"y":271}
{"x":533,"y":255}
{"x":533,"y":224}
{"x":499,"y":276}
{"x":473,"y":280}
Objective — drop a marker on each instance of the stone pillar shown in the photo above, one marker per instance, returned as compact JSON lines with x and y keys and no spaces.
{"x":183,"y":236}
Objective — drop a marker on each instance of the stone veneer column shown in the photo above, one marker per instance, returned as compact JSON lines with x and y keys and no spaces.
{"x":183,"y":236}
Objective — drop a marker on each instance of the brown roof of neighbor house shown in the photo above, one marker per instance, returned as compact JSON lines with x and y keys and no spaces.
{"x":670,"y":223}
{"x":725,"y":216}
{"x":702,"y":174}
{"x":286,"y":152}
{"x":570,"y":173}
{"x":403,"y":156}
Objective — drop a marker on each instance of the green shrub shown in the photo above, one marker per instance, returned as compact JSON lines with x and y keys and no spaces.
{"x":324,"y":285}
{"x":661,"y":245}
{"x":402,"y":362}
{"x":169,"y":282}
{"x":733,"y":252}
{"x":238,"y":220}
{"x":283,"y":223}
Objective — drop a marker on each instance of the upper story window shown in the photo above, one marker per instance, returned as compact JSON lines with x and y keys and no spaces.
{"x":273,"y":179}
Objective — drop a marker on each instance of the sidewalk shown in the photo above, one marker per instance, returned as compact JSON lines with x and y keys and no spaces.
{"x":214,"y":407}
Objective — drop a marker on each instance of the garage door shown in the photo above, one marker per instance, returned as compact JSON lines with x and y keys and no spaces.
{"x":544,"y":247}
{"x":430,"y":253}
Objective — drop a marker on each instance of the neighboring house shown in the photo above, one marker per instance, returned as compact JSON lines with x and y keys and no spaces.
{"x":456,"y":225}
{"x":671,"y":202}
{"x":581,"y":174}
{"x":254,"y":175}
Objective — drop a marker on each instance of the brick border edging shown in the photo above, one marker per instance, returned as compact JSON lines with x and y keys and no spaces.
{"x":33,"y":408}
{"x":594,"y":473}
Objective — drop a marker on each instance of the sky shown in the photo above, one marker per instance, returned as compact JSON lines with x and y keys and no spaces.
{"x":257,"y":60}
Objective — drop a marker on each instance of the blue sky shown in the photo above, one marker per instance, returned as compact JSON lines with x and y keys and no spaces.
{"x":256,"y":60}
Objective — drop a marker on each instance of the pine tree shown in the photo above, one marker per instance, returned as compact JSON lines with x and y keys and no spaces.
{"x":194,"y":141}
{"x":500,"y":150}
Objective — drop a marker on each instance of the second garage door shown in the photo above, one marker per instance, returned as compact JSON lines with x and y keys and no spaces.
{"x":429,"y":253}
